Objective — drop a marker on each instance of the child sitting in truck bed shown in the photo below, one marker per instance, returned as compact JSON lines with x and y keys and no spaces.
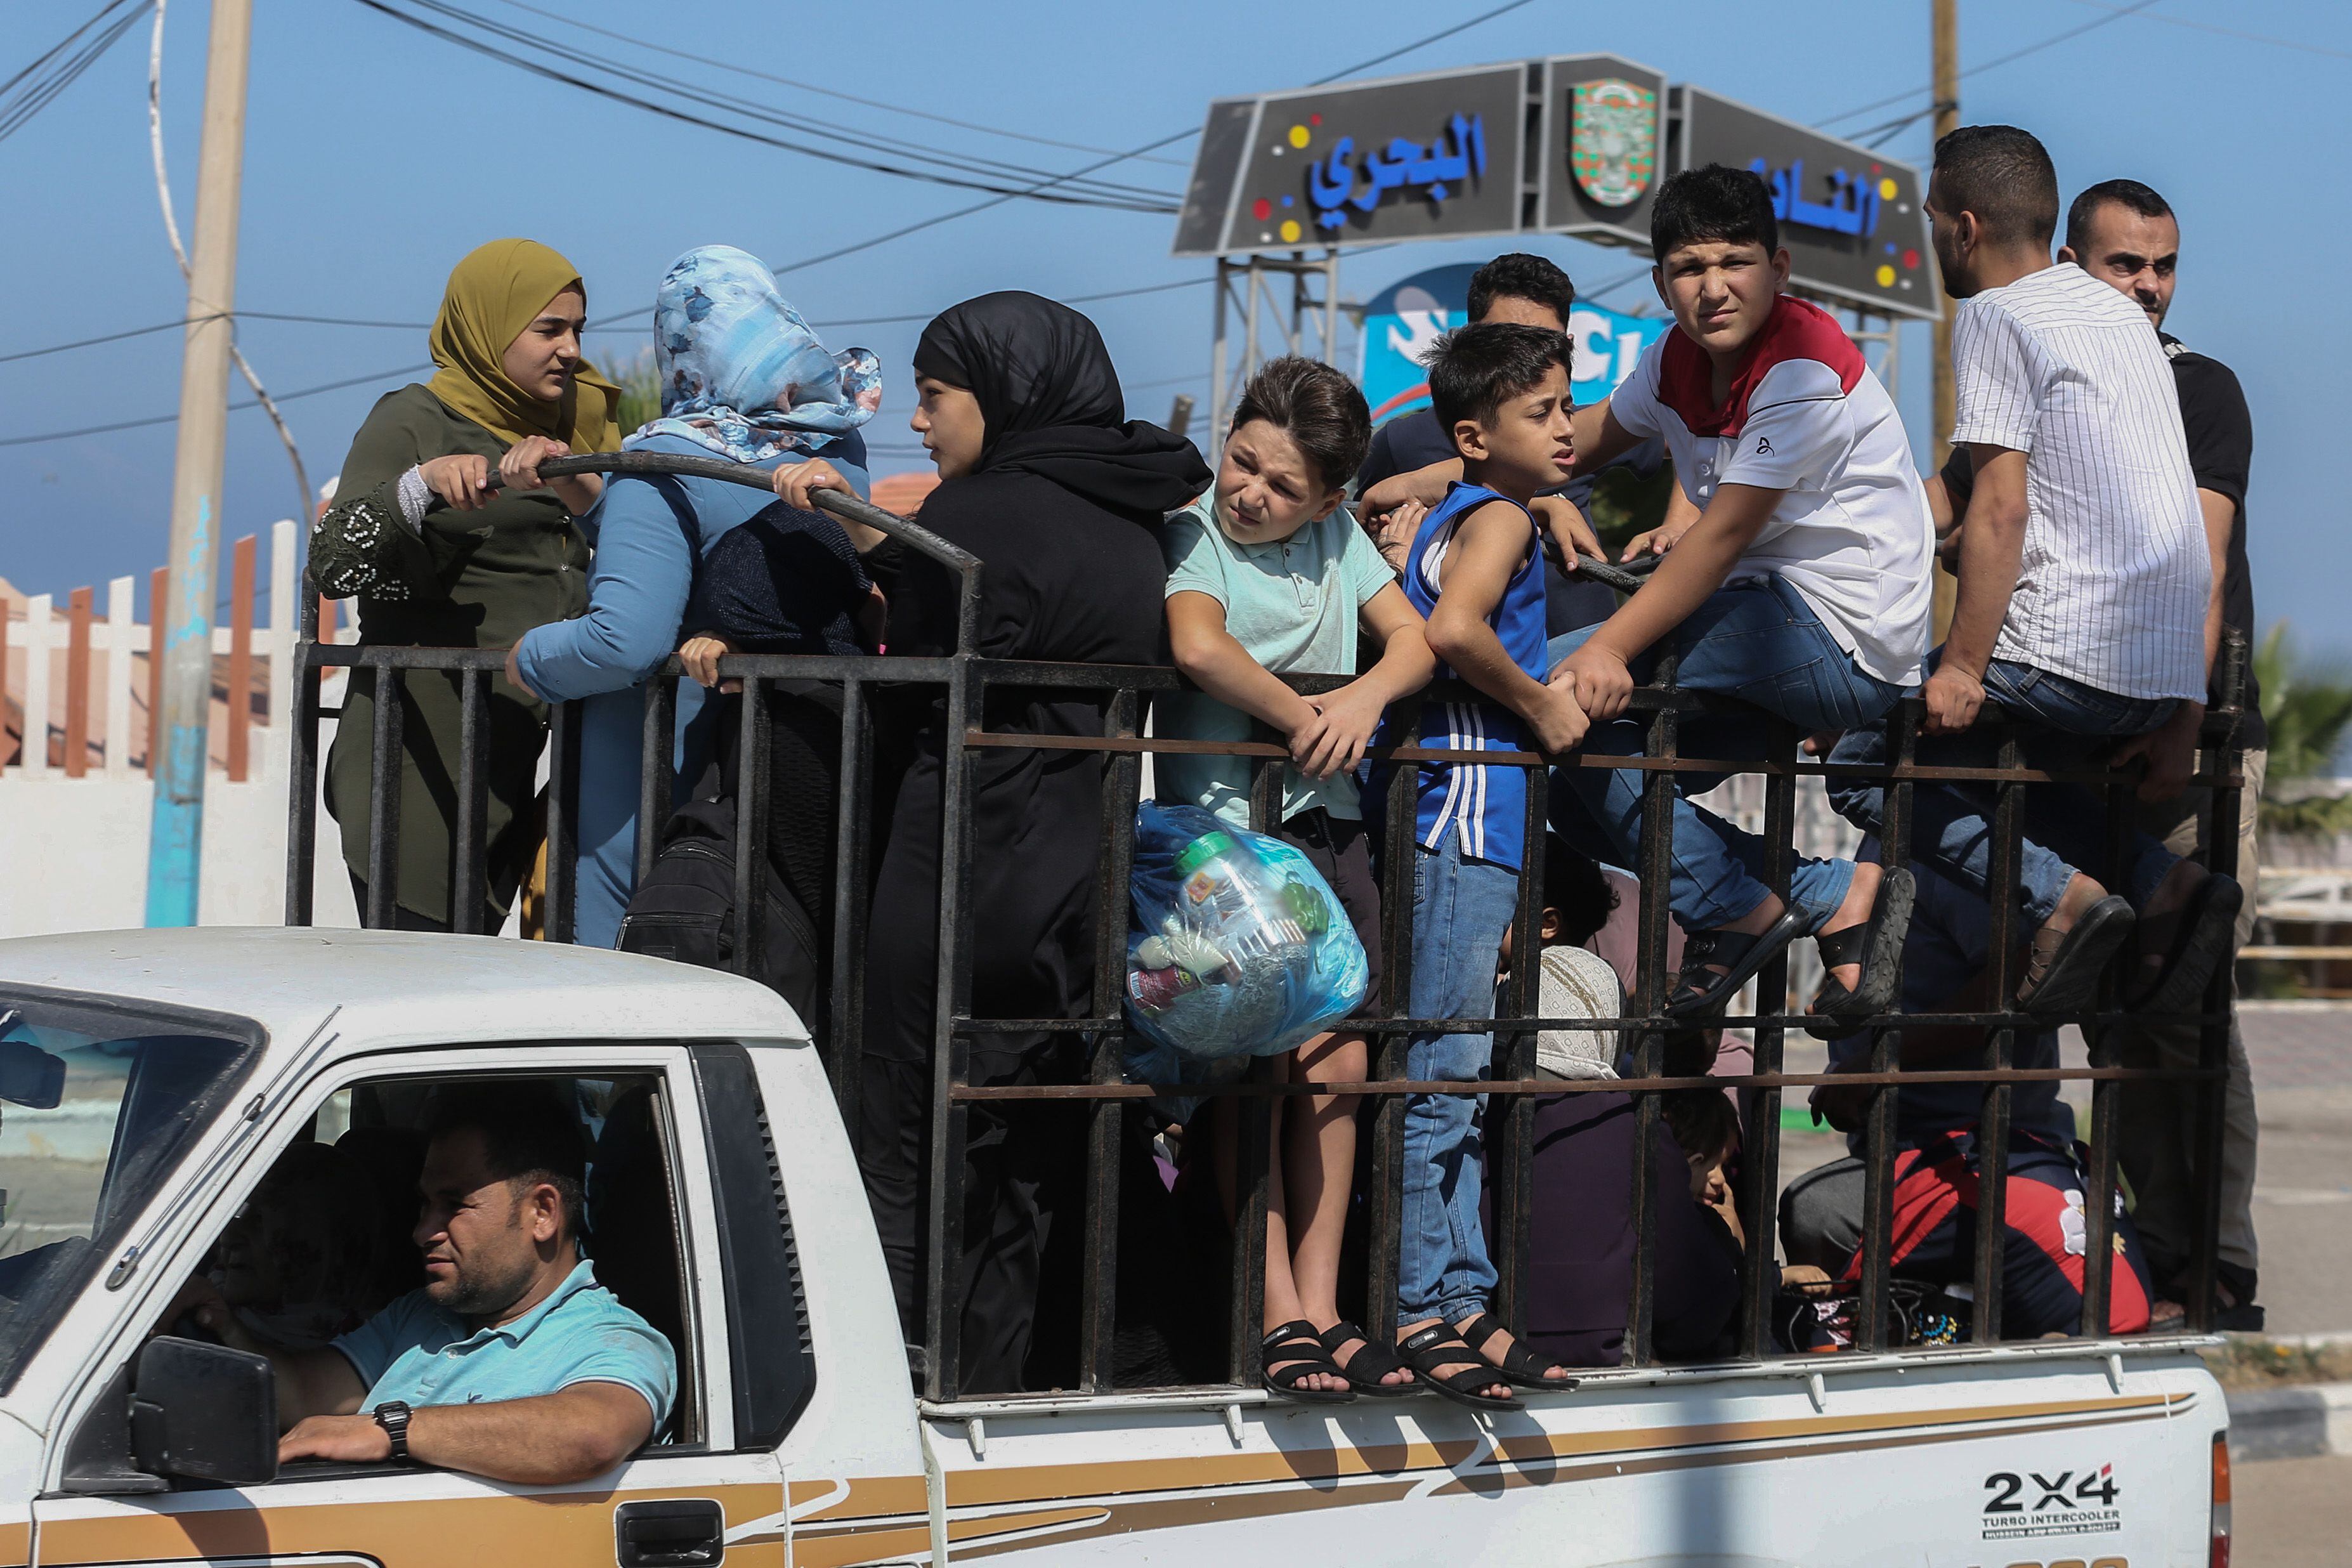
{"x":1267,"y":574}
{"x":1802,"y":589}
{"x":1501,"y":392}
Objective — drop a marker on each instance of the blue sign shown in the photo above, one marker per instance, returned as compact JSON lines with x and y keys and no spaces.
{"x":1403,"y":320}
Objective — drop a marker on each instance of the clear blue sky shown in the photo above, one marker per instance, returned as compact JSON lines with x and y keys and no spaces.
{"x":376,"y":155}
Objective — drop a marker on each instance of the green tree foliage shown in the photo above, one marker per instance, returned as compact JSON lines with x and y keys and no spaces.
{"x":640,"y":392}
{"x":2307,"y":706}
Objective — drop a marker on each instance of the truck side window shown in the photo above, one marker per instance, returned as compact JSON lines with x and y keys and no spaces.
{"x":324,"y":1241}
{"x":775,"y":1367}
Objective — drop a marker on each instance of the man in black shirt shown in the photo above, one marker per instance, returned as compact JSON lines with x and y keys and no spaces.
{"x":2125,"y":236}
{"x":1413,"y":461}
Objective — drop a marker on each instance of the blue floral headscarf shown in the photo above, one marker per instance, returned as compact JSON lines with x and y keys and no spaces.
{"x":741,"y":373}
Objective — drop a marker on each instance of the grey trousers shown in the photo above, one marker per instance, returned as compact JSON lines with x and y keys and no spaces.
{"x":2159,"y":1121}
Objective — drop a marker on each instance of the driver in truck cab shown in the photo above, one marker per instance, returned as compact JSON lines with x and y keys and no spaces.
{"x":511,"y":1362}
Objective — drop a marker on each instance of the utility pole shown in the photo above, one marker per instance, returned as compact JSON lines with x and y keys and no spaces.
{"x":176,"y":842}
{"x":1947,"y":401}
{"x":1947,"y":120}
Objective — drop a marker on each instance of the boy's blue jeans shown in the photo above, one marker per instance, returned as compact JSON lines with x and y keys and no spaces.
{"x":2060,"y":723}
{"x":1460,"y":911}
{"x":1761,"y":643}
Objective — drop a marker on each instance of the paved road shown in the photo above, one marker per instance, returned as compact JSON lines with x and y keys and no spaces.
{"x":2292,"y":1514}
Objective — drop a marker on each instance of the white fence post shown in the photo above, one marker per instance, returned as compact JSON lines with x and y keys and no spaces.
{"x":285,"y":618}
{"x":37,"y":611}
{"x":116,"y":693}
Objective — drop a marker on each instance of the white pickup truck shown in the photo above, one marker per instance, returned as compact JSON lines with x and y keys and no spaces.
{"x":149,"y":1079}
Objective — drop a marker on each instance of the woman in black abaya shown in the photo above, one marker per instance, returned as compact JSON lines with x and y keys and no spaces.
{"x":1061,"y":499}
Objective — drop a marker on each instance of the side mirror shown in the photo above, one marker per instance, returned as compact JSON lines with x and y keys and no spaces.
{"x":205,"y":1413}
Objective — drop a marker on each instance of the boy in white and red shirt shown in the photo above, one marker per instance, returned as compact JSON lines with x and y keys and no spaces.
{"x":1802,"y":589}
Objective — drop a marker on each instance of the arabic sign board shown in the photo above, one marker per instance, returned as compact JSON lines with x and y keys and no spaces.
{"x":1850,"y":219}
{"x":1603,"y":148}
{"x":1431,"y":157}
{"x":1404,"y":320}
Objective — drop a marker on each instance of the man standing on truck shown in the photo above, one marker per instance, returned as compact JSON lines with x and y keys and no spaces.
{"x":511,"y":1361}
{"x":2125,"y":235}
{"x":2083,"y":583}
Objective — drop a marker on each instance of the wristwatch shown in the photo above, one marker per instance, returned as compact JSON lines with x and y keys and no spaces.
{"x":392,"y":1416}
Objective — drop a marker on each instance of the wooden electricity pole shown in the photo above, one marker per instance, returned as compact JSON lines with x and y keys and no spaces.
{"x":175,"y":842}
{"x":1947,"y":120}
{"x":1946,"y":412}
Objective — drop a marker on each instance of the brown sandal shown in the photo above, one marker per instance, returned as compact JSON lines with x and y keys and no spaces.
{"x":2062,"y":973}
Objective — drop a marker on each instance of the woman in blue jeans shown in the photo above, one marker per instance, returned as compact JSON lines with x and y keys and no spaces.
{"x":1758,"y":641}
{"x":742,"y":377}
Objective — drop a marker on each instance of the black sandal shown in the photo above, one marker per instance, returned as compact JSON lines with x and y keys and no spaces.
{"x":1876,"y":944}
{"x":2061,"y":971}
{"x":2196,"y":939}
{"x":1698,"y":992}
{"x":1372,"y":1362}
{"x":1438,"y":1344}
{"x":1518,"y":1365}
{"x":1279,"y":1346}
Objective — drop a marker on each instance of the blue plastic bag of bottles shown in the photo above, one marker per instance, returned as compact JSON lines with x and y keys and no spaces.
{"x":1239,"y":947}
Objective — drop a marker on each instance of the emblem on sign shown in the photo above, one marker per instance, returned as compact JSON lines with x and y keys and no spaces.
{"x":1612,"y":139}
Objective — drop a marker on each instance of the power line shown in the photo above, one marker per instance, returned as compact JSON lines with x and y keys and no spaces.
{"x":648,"y":44}
{"x":863,"y":140}
{"x":2215,"y":28}
{"x":832,"y":255}
{"x":2054,"y":39}
{"x":250,"y":402}
{"x":109,"y":338}
{"x":1148,"y":202}
{"x":36,"y":86}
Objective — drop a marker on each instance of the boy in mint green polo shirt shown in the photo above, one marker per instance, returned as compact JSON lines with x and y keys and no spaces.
{"x":1268,"y":575}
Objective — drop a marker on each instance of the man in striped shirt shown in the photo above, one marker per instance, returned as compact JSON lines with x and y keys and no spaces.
{"x":2084,"y":583}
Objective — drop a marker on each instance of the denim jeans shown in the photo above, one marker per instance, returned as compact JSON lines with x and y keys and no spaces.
{"x":1761,"y":643}
{"x":2060,"y":724}
{"x":1460,"y":909}
{"x":612,"y":736}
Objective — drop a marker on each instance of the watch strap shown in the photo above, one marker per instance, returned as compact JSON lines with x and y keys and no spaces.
{"x":392,"y":1416}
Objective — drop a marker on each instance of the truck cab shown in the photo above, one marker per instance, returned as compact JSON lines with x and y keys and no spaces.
{"x":149,"y":1082}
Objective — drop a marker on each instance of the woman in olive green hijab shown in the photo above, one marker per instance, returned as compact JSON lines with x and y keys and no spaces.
{"x":437,"y":560}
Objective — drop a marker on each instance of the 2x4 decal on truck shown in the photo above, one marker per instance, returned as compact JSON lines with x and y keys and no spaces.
{"x":2064,"y":1502}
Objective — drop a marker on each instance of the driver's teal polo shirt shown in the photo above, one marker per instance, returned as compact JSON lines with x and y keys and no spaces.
{"x":421,"y":1354}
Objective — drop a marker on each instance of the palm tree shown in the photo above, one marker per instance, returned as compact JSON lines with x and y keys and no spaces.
{"x":2307,"y":707}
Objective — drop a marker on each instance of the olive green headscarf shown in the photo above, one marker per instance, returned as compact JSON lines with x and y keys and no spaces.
{"x":494,"y":293}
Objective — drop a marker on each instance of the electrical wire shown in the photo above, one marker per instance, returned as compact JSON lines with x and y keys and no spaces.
{"x":1144,"y":202}
{"x":648,"y":44}
{"x":2213,"y":28}
{"x":694,"y":92}
{"x":180,"y":253}
{"x":2051,"y":42}
{"x":864,"y":245}
{"x":36,"y":86}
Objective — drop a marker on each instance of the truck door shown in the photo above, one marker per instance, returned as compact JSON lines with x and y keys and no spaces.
{"x":657,"y":1224}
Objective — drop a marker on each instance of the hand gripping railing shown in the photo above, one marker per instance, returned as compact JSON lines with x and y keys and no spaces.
{"x":1123,"y":693}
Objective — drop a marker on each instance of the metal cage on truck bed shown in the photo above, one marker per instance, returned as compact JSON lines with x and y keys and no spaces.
{"x":966,"y":678}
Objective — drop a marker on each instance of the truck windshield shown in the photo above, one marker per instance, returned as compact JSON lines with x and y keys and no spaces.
{"x":96,"y":1106}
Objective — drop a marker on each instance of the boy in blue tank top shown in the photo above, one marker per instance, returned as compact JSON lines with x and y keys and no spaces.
{"x":1501,"y":391}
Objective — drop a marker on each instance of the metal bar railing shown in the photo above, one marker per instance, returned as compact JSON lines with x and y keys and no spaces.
{"x":1097,"y":1084}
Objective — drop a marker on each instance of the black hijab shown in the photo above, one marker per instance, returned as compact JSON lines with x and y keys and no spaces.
{"x":1050,"y":404}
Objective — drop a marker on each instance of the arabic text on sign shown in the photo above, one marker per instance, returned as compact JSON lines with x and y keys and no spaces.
{"x":1853,"y":206}
{"x":1436,"y":170}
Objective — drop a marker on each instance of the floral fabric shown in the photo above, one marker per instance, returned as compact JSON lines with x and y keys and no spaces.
{"x":742,"y":374}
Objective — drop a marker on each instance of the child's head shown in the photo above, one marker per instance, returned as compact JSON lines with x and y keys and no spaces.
{"x":1527,"y":289}
{"x":1501,"y":395}
{"x":1299,"y":434}
{"x":1708,"y":1130}
{"x":1577,"y":899}
{"x":1720,"y":262}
